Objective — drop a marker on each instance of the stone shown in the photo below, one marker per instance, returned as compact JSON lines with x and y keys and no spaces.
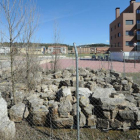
{"x":65,"y":108}
{"x":44,"y":88}
{"x":18,"y":112}
{"x":115,"y":124}
{"x":84,"y":101}
{"x":108,"y":79}
{"x":127,"y":115}
{"x":129,"y":98}
{"x":124,"y":82}
{"x":38,"y":88}
{"x":114,"y":114}
{"x":117,"y":87}
{"x":82,"y":122}
{"x":54,"y":111}
{"x":58,"y":74}
{"x":102,"y":93}
{"x":51,"y":103}
{"x":53,"y":88}
{"x":137,"y":115}
{"x":126,"y":126}
{"x":88,"y":110}
{"x":81,"y":84}
{"x":107,"y":114}
{"x":102,"y":123}
{"x":126,"y":87}
{"x":91,"y":121}
{"x":84,"y":92}
{"x":7,"y":127}
{"x":74,"y":109}
{"x":66,"y":91}
{"x":63,"y":122}
{"x":19,"y":96}
{"x":34,"y":101}
{"x":38,"y":115}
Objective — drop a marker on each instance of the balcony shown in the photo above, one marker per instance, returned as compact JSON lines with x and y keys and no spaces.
{"x":138,"y":37}
{"x":138,"y":25}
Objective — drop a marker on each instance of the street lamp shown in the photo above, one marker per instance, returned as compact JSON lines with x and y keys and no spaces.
{"x":135,"y":44}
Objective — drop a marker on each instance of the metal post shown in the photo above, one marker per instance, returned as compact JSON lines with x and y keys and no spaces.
{"x":135,"y":44}
{"x":77,"y":92}
{"x":80,"y":53}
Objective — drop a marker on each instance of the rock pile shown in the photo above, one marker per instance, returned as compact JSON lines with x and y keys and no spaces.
{"x":107,"y":100}
{"x":7,"y":127}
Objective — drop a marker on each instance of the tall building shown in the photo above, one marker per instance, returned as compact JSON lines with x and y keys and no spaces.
{"x":125,"y":29}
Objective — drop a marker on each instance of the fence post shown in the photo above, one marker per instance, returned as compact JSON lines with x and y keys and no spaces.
{"x":77,"y":92}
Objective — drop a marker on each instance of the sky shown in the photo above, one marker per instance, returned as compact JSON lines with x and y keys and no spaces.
{"x":79,"y":21}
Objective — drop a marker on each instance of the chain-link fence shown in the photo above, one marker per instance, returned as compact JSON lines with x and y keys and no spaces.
{"x":44,"y":105}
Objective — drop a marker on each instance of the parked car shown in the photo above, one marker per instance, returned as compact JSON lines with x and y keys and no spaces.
{"x":94,"y":57}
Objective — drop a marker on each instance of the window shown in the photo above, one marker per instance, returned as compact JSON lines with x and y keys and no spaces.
{"x":129,"y":43}
{"x":138,"y":32}
{"x":138,"y":11}
{"x":129,"y":22}
{"x":119,"y":34}
{"x":138,"y":43}
{"x":129,"y":33}
{"x":111,"y":29}
{"x":118,"y":44}
{"x":119,"y":24}
{"x":138,"y":21}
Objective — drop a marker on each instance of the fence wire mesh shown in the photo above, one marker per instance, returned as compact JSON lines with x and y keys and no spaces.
{"x":45,"y":97}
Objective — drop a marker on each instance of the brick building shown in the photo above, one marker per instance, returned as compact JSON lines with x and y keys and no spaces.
{"x":59,"y":49}
{"x":125,"y":29}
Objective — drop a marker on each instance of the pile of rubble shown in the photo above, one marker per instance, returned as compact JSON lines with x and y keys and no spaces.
{"x":107,"y":101}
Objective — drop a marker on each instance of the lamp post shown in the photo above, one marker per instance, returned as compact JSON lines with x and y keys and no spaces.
{"x":135,"y":44}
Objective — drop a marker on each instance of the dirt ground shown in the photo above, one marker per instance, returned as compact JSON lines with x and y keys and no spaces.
{"x":26,"y":132}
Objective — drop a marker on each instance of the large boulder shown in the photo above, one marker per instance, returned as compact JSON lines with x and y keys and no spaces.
{"x":84,"y":92}
{"x":18,"y":112}
{"x":7,"y":127}
{"x":102,"y":93}
{"x":63,"y":122}
{"x":65,"y":108}
{"x":38,"y":116}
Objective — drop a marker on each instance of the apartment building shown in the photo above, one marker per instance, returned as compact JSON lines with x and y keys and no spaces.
{"x":125,"y":29}
{"x":59,"y":49}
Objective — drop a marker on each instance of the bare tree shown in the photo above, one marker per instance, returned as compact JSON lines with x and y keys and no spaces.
{"x":17,"y":22}
{"x":55,"y":64}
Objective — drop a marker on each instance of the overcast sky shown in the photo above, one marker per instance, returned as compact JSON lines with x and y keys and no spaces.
{"x":80,"y":21}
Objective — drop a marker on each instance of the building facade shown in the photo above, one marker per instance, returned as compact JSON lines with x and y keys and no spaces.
{"x":90,"y":50}
{"x":57,"y":49}
{"x":125,"y":29}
